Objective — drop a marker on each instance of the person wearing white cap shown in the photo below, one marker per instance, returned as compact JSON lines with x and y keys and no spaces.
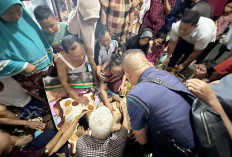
{"x":103,"y":142}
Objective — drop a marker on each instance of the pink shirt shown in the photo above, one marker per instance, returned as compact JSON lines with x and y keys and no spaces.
{"x":222,"y":23}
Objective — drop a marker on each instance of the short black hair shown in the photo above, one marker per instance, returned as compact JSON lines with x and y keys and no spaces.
{"x":190,"y":17}
{"x":67,"y":42}
{"x":116,"y":59}
{"x":209,"y":66}
{"x":102,"y":29}
{"x":42,"y":12}
{"x":84,"y":122}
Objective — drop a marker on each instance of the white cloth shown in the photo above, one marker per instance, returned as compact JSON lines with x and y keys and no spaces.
{"x":105,"y":55}
{"x":202,"y":35}
{"x":82,"y":21}
{"x":13,"y":93}
{"x":144,"y":8}
{"x":80,"y":69}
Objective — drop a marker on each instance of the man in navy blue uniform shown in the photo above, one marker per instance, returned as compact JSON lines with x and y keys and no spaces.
{"x":159,"y":116}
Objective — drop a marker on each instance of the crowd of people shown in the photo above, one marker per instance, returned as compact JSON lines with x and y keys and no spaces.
{"x":142,"y":54}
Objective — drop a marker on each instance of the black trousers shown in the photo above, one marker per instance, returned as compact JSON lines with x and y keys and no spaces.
{"x":182,"y":51}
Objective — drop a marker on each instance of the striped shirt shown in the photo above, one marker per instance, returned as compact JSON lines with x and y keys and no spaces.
{"x":106,"y":70}
{"x":222,"y":23}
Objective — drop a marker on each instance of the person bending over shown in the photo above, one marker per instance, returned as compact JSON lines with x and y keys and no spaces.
{"x":112,"y":76}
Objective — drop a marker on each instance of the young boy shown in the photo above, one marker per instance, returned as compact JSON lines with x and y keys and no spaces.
{"x":53,"y":30}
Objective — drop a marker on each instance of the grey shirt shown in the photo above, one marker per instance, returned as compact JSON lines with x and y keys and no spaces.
{"x":104,"y":54}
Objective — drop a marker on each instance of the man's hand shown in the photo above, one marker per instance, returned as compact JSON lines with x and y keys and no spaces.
{"x":166,"y":61}
{"x":31,"y":69}
{"x":81,"y":115}
{"x":122,"y":90}
{"x":81,"y":131}
{"x":36,"y":125}
{"x":56,"y":57}
{"x":83,"y":100}
{"x":202,"y":90}
{"x":101,"y":77}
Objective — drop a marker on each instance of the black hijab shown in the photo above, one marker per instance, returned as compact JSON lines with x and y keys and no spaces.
{"x":133,"y":42}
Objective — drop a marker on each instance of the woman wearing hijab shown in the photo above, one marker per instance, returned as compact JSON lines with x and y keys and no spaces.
{"x":24,"y":49}
{"x":139,"y":41}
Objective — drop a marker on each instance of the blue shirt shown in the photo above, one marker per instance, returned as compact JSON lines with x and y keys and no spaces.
{"x":223,"y":91}
{"x":169,"y":112}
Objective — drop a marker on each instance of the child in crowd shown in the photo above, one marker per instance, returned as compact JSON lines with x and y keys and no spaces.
{"x":104,"y":47}
{"x":224,"y":20}
{"x":112,"y":76}
{"x":222,"y":23}
{"x":53,"y":30}
{"x":142,"y":7}
{"x":14,"y":97}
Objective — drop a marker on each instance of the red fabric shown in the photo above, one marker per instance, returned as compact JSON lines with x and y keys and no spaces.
{"x":114,"y":86}
{"x":225,"y":67}
{"x":157,"y":52}
{"x":218,"y":6}
{"x":106,"y":70}
{"x":114,"y":82}
{"x":155,"y":17}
